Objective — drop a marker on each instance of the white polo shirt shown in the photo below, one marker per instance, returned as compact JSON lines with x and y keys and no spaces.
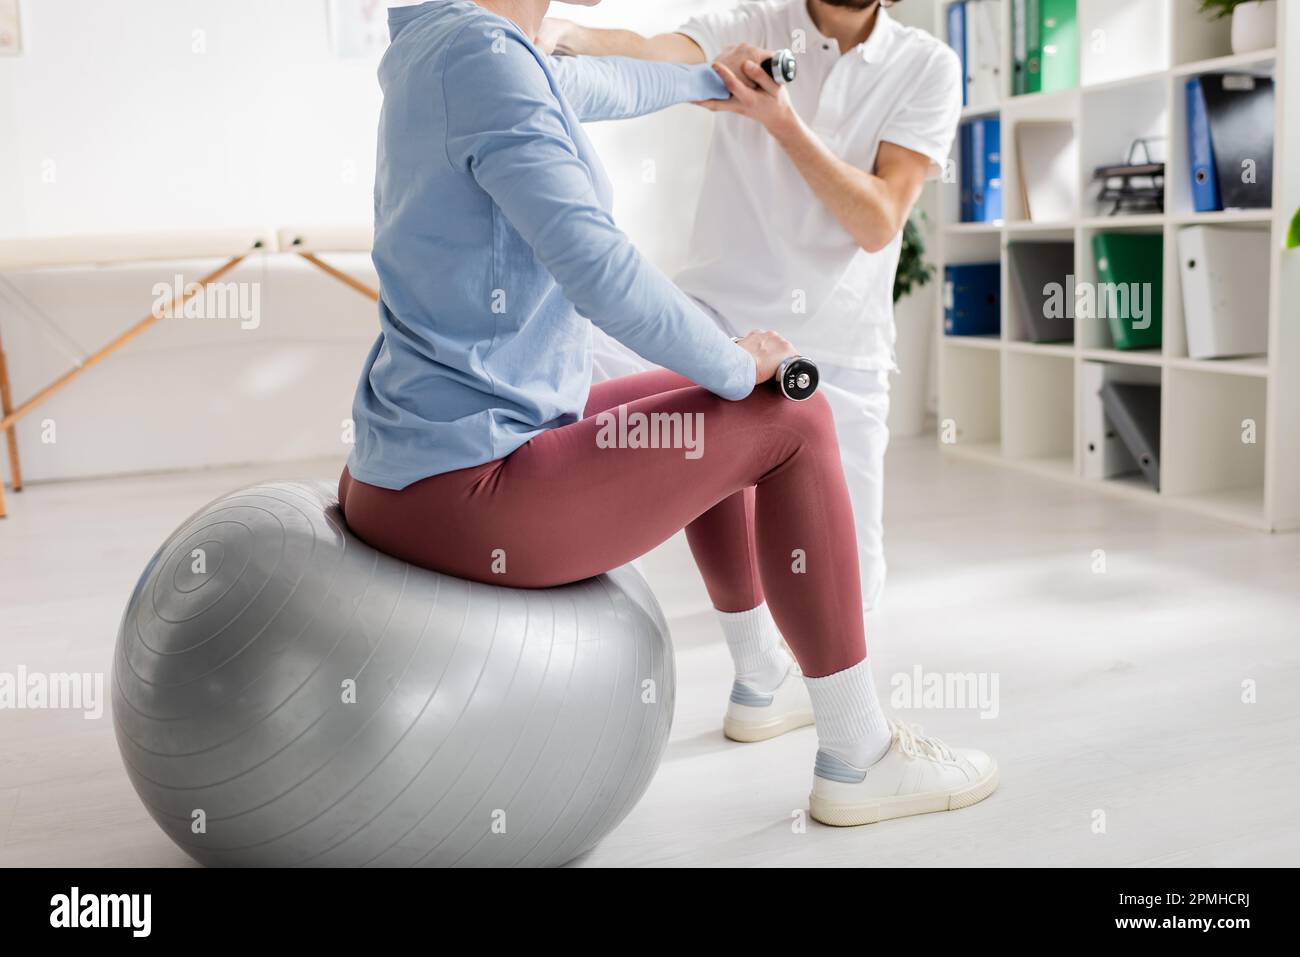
{"x":765,"y":252}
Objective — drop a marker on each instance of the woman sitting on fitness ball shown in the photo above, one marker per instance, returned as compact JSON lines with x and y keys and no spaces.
{"x":482,"y":450}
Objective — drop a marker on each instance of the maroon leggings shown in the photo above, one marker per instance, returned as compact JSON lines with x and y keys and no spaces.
{"x":762,"y":498}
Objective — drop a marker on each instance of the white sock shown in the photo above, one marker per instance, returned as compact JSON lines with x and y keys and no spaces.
{"x":755,"y":645}
{"x":850,"y":723}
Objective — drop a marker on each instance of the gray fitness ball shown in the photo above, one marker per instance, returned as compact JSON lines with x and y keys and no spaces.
{"x":283,"y":694}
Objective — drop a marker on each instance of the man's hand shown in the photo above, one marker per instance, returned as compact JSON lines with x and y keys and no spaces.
{"x":757,"y":95}
{"x":734,"y":59}
{"x":552,"y":38}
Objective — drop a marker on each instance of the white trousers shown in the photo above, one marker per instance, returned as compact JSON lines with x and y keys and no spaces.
{"x":859,"y":401}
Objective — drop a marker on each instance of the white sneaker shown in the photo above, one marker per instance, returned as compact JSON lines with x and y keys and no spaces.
{"x":758,"y":715}
{"x":917,"y":775}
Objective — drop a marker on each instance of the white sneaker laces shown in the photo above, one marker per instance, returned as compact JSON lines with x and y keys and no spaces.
{"x":913,"y":743}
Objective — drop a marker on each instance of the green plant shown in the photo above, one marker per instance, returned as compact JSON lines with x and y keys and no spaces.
{"x":1293,"y":234}
{"x":1218,"y":9}
{"x":913,"y":271}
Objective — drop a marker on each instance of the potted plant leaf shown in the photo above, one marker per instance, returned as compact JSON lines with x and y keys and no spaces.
{"x":913,"y":271}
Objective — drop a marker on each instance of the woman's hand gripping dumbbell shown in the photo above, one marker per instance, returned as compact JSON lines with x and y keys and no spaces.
{"x":775,"y":360}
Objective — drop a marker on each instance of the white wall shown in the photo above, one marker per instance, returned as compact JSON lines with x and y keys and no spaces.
{"x":112,"y":121}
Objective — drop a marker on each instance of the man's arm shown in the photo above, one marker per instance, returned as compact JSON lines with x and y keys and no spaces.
{"x":872,"y":207}
{"x":570,"y":39}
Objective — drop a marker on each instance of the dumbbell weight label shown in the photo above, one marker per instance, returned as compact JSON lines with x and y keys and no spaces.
{"x":798,"y":378}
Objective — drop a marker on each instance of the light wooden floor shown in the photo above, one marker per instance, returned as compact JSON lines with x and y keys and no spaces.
{"x":1120,"y":692}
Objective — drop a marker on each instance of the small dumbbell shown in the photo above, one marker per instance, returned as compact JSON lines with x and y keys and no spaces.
{"x":797,"y":379}
{"x":781,"y":66}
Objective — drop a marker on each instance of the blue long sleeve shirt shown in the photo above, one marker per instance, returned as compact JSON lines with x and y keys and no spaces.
{"x":496,"y":249}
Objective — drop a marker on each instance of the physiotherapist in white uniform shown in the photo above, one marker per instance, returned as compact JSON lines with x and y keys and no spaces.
{"x":806,"y":191}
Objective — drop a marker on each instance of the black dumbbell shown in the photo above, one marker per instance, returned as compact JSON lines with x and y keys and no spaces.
{"x":781,"y":66}
{"x":797,"y":377}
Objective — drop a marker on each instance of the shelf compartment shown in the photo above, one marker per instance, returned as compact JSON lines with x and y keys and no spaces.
{"x":1214,"y":437}
{"x":1038,"y":408}
{"x":1104,"y":458}
{"x":951,"y":189}
{"x":1037,"y":290}
{"x":1119,"y":39}
{"x":1095,"y":301}
{"x":1176,"y":338}
{"x":1046,"y":150}
{"x":1178,"y":177}
{"x":1114,"y":119}
{"x":1196,"y":37}
{"x":971,"y":396}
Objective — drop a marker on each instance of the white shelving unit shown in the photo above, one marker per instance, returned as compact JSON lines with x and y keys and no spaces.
{"x":1017,"y":403}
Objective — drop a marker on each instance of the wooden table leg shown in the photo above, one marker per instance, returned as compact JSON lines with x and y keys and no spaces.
{"x":191,"y":290}
{"x":11,"y":435}
{"x":12,"y":415}
{"x":341,"y":276}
